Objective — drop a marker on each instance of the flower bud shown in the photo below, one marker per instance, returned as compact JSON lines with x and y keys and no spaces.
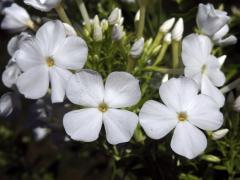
{"x":40,"y":133}
{"x":222,"y":59}
{"x":104,"y":25}
{"x":118,"y":32}
{"x":219,"y":134}
{"x":236,"y":105}
{"x":137,"y":48}
{"x":16,"y":19}
{"x":156,"y":50}
{"x":11,"y":74}
{"x":167,"y":25}
{"x":97,"y":29}
{"x":178,"y":29}
{"x":43,"y":5}
{"x":6,"y":104}
{"x":168,"y":38}
{"x":137,"y":17}
{"x":115,"y":16}
{"x":70,"y":31}
{"x":211,"y":158}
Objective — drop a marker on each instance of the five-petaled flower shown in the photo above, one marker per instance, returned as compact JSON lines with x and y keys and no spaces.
{"x":102,"y":105}
{"x":48,"y":57}
{"x":184,"y":111}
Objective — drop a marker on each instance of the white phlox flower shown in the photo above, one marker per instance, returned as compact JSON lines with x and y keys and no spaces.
{"x":48,"y":57}
{"x":16,"y":19}
{"x":203,"y":67}
{"x":210,"y":20}
{"x":43,"y":5}
{"x":184,"y":111}
{"x":102,"y":104}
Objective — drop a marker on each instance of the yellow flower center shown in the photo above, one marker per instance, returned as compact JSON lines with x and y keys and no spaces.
{"x":182,"y":116}
{"x":50,"y":62}
{"x":103,"y":107}
{"x":204,"y":69}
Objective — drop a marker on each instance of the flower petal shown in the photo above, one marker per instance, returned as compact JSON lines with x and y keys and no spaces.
{"x":204,"y":113}
{"x":86,"y":88}
{"x":119,"y":125}
{"x":156,"y":119}
{"x":178,"y":93}
{"x":29,"y":55}
{"x":209,"y":89}
{"x":83,"y":125}
{"x":195,"y":49}
{"x":34,"y":83}
{"x":50,"y":36}
{"x":59,"y":79}
{"x":72,"y":54}
{"x":188,"y":141}
{"x":122,"y":90}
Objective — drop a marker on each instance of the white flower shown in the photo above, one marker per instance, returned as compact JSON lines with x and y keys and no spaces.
{"x":178,"y":29}
{"x":43,"y":5}
{"x":47,"y":57}
{"x":137,"y":48}
{"x":184,"y":111}
{"x":86,"y":88}
{"x":219,"y":134}
{"x":210,"y":20}
{"x":6,"y":104}
{"x":203,"y":67}
{"x":16,"y":19}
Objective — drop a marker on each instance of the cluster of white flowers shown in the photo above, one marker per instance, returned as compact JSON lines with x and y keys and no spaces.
{"x":53,"y":59}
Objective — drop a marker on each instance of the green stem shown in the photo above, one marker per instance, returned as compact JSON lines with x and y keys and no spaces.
{"x":156,"y":41}
{"x":84,"y":14}
{"x":62,"y":14}
{"x":230,"y":86}
{"x":141,"y":23}
{"x":161,"y":54}
{"x":131,"y":64}
{"x":164,"y":70}
{"x":175,"y":53}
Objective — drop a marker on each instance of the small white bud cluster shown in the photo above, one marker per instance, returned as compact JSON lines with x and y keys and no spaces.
{"x":137,"y":48}
{"x":116,"y":20}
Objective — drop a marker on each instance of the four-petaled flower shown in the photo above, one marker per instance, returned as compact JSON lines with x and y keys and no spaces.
{"x":86,"y":88}
{"x":184,"y":111}
{"x":48,"y":57}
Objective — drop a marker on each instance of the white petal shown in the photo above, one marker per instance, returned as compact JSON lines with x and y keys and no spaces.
{"x":119,"y":125}
{"x":221,"y":33}
{"x":230,"y":40}
{"x":193,"y":73}
{"x":204,"y":113}
{"x":50,"y":37}
{"x":122,"y":90}
{"x":156,"y":119}
{"x":6,"y":104}
{"x":195,"y":49}
{"x":34,"y":83}
{"x":83,"y":125}
{"x":217,"y":77}
{"x":29,"y":55}
{"x":69,"y":30}
{"x":10,"y":74}
{"x":188,"y":141}
{"x":72,"y":54}
{"x":209,"y":89}
{"x":42,"y":5}
{"x":178,"y":93}
{"x":86,"y":88}
{"x":59,"y":79}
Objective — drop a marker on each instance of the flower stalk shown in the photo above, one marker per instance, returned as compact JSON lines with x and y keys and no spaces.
{"x":84,"y":14}
{"x":141,"y":23}
{"x":175,"y":53}
{"x":164,"y":70}
{"x":62,"y":14}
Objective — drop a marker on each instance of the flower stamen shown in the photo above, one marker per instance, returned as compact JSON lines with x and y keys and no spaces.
{"x":103,"y":107}
{"x":50,"y":62}
{"x":182,"y":116}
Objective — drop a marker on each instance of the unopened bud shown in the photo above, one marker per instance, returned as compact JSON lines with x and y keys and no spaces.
{"x":118,"y":32}
{"x":156,"y":50}
{"x":104,"y":25}
{"x":222,"y":59}
{"x":168,"y":38}
{"x":177,"y":32}
{"x":97,"y":29}
{"x":6,"y":104}
{"x":69,"y":30}
{"x":137,"y":17}
{"x":167,"y":25}
{"x":236,"y":105}
{"x":137,"y":48}
{"x":115,"y":16}
{"x":219,"y":134}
